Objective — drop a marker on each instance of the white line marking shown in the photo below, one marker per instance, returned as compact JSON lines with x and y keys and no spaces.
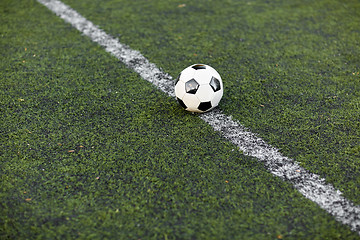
{"x":312,"y":186}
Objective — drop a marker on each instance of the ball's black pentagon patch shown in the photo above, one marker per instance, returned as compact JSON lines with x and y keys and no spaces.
{"x":215,"y":84}
{"x":191,"y":86}
{"x":199,"y":66}
{"x":204,"y":106}
{"x":181,"y":103}
{"x":177,"y":79}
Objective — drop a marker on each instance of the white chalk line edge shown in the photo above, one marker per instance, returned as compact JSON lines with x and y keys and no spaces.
{"x":310,"y":185}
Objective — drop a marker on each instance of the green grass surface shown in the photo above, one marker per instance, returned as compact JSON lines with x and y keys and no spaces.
{"x":290,"y":69}
{"x":89,"y":150}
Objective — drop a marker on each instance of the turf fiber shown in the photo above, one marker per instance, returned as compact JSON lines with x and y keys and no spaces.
{"x":89,"y":150}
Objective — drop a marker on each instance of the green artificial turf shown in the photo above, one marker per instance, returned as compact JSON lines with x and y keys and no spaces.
{"x":89,"y":150}
{"x":290,"y":68}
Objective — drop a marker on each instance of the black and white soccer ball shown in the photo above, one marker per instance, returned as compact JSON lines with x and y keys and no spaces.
{"x":199,"y":88}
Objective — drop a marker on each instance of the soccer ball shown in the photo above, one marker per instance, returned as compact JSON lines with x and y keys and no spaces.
{"x":199,"y":88}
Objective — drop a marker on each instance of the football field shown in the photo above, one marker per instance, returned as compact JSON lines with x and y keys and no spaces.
{"x":95,"y":146}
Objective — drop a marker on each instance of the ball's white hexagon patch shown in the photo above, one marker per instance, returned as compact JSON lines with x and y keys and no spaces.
{"x":192,"y":102}
{"x":202,"y":76}
{"x":216,"y":98}
{"x":180,"y":89}
{"x":187,"y":74}
{"x":213,"y":72}
{"x":205,"y":93}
